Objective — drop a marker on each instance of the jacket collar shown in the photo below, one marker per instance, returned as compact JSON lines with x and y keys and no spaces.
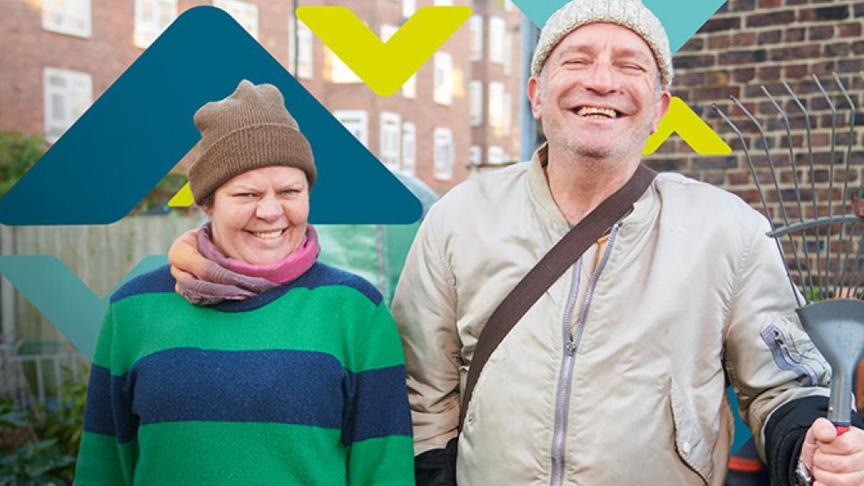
{"x":538,"y":185}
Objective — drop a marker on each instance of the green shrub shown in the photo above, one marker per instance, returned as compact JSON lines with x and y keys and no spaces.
{"x":18,"y":153}
{"x":50,"y":442}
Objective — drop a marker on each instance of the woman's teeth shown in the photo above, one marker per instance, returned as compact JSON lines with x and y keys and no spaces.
{"x":268,"y":234}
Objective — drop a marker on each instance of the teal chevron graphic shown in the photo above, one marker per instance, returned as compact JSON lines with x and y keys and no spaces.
{"x":742,"y":432}
{"x":62,"y":297}
{"x":680,"y":22}
{"x":142,"y":126}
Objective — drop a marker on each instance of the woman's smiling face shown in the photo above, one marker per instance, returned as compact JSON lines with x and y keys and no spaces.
{"x":261,"y":215}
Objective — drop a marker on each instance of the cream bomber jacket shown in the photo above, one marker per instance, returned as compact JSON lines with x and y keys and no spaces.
{"x":616,"y":375}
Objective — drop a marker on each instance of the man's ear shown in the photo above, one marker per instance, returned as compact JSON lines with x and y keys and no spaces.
{"x":662,"y":106}
{"x":534,"y":91}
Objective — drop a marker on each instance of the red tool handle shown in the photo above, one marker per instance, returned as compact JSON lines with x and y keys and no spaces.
{"x":841,"y":429}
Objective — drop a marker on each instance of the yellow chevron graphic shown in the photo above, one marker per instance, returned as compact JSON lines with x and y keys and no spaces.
{"x":384,"y":67}
{"x":686,"y":123}
{"x":183,"y":198}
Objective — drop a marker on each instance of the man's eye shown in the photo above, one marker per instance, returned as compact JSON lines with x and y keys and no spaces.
{"x":291,"y":192}
{"x":575,"y":62}
{"x":244,"y":195}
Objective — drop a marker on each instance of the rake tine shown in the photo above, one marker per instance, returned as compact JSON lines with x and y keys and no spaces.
{"x":773,"y":171}
{"x":857,"y":263}
{"x":797,"y":101}
{"x":856,"y":284}
{"x":861,"y":187}
{"x":783,"y":114}
{"x":761,"y":193}
{"x":830,"y":181}
{"x":847,"y":161}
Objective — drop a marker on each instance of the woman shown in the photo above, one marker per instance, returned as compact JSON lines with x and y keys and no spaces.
{"x":265,"y":367}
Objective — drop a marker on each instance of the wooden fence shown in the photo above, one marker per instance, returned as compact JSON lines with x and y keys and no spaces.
{"x":99,"y":255}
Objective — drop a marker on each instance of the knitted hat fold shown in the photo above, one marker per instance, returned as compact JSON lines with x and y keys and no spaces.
{"x":631,"y":14}
{"x":248,"y":130}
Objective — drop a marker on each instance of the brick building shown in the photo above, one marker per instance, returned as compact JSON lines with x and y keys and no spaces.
{"x":60,"y":55}
{"x":496,"y":87}
{"x":750,"y":43}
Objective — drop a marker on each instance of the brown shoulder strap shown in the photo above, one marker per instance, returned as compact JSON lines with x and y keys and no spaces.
{"x":549,"y":270}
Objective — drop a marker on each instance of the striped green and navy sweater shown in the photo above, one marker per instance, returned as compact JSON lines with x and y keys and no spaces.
{"x":302,"y":385}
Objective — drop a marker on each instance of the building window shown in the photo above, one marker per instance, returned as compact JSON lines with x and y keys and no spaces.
{"x":496,"y":155}
{"x":245,"y":13}
{"x":152,"y":17}
{"x":475,"y":91}
{"x":496,"y":104}
{"x":497,"y":31}
{"x":339,"y":71}
{"x":408,"y":8}
{"x":409,"y":148}
{"x":67,"y":17}
{"x":68,"y":94}
{"x":387,"y":31}
{"x":476,"y":24}
{"x":391,"y":139}
{"x":409,"y":89}
{"x":475,"y":155}
{"x":508,"y":53}
{"x":305,"y":51}
{"x":356,"y":122}
{"x":292,"y":44}
{"x":508,"y":112}
{"x":444,"y":153}
{"x":443,"y":78}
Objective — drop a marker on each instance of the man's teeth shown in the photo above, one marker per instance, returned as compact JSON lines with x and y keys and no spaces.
{"x":268,"y":234}
{"x":591,"y":110}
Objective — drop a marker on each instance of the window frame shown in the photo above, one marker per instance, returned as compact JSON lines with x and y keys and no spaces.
{"x":67,"y":9}
{"x":475,"y":102}
{"x":409,"y":157}
{"x":234,"y":9}
{"x":363,"y":123}
{"x":443,"y":168}
{"x":54,"y":129}
{"x":443,"y":79}
{"x":390,"y":130}
{"x":497,"y":31}
{"x":144,"y":34}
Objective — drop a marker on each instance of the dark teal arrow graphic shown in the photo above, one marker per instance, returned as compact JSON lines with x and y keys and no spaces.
{"x":142,"y":126}
{"x":62,"y":297}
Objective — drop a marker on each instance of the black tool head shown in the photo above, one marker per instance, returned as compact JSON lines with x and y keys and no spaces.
{"x":837,"y":329}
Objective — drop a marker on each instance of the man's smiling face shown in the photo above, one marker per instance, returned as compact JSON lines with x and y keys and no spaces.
{"x":598,"y":94}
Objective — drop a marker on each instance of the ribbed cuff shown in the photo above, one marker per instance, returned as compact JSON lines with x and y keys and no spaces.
{"x":785,"y":432}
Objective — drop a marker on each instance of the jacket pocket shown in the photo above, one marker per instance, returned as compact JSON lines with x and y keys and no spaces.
{"x":786,"y":355}
{"x":690,"y":442}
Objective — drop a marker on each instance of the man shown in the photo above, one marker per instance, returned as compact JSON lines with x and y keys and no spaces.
{"x":616,"y":375}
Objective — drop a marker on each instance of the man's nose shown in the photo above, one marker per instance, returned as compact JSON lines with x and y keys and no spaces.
{"x":600,"y":78}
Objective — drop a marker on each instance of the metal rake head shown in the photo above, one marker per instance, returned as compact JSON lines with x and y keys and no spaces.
{"x":821,"y":242}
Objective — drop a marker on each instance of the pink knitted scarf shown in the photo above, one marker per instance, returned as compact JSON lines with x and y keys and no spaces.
{"x":205,"y":276}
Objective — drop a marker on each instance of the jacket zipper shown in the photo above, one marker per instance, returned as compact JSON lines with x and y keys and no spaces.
{"x":773,"y":337}
{"x":568,"y":359}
